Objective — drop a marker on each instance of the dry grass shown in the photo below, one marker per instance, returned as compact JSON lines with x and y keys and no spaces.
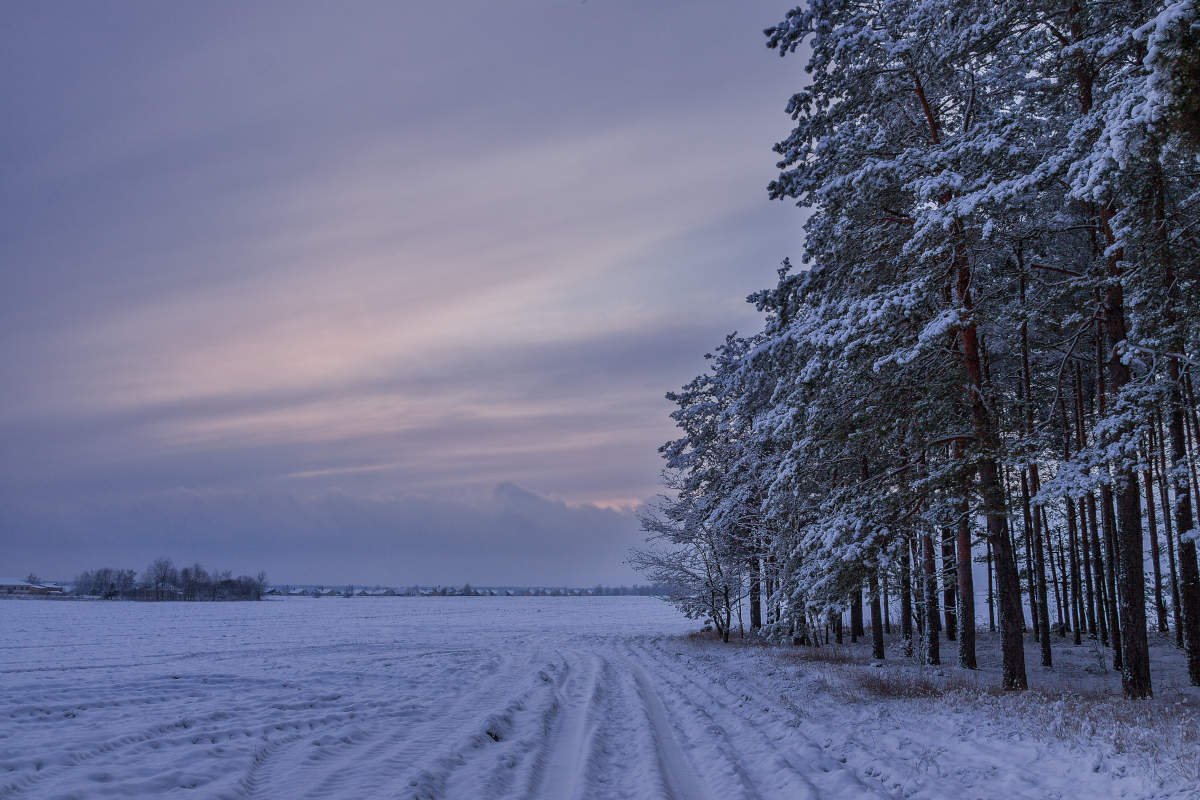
{"x":829,"y":654}
{"x":1163,"y":731}
{"x":889,"y":683}
{"x":1080,"y":707}
{"x":854,"y":683}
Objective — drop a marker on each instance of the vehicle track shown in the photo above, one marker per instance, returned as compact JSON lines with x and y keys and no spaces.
{"x":577,"y":716}
{"x":802,"y":768}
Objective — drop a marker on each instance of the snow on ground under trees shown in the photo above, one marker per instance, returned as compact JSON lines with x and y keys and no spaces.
{"x":546,"y":698}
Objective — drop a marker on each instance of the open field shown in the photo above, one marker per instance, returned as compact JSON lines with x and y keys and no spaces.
{"x":518,"y":698}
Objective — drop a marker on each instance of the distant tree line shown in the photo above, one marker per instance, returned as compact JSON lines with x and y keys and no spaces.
{"x":162,"y":580}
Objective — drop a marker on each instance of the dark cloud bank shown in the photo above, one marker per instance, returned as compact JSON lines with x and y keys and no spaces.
{"x":512,"y":537}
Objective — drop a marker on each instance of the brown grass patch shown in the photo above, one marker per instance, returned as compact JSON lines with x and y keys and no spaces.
{"x":890,"y":683}
{"x":829,"y":654}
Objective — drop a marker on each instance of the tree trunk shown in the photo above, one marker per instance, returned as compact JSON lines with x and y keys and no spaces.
{"x":1039,"y":556}
{"x":1135,"y":650}
{"x":949,"y":571}
{"x":1068,"y":590}
{"x":1108,"y":517}
{"x":906,"y":614}
{"x":887,"y":605}
{"x":966,"y":588}
{"x":1164,"y":496}
{"x":1087,"y":531}
{"x":1102,"y":599}
{"x":876,"y":618}
{"x":1109,"y":527}
{"x":931,"y":603}
{"x":768,"y":594}
{"x":856,"y":615}
{"x":1189,"y":575}
{"x":755,"y":598}
{"x":1086,"y":567}
{"x":1041,"y":612}
{"x":991,"y":595}
{"x":1160,"y":608}
{"x":1193,"y":435}
{"x":1076,"y":584}
{"x":987,"y":441}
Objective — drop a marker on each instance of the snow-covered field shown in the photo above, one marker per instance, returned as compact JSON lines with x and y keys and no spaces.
{"x":557,"y":698}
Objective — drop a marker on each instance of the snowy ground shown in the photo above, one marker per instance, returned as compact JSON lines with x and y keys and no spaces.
{"x":557,"y":698}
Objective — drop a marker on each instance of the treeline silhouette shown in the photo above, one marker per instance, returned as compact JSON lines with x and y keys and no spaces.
{"x":162,"y":580}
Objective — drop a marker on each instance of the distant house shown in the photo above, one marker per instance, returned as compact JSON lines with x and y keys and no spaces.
{"x":14,"y":586}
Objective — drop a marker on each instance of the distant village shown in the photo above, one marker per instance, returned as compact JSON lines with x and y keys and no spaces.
{"x":463,"y":591}
{"x":29,"y":586}
{"x":163,"y":582}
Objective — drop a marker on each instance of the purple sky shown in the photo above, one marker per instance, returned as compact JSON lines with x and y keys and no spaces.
{"x":315,"y":287}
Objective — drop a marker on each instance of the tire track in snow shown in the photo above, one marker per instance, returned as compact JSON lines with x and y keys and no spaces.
{"x":714,"y":749}
{"x":397,"y":750}
{"x":679,"y":774}
{"x":76,"y":758}
{"x":567,"y":741}
{"x":728,"y":747}
{"x":820,"y":774}
{"x":537,"y":699}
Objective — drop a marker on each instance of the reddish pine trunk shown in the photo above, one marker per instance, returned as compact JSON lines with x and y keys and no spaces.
{"x":1007,"y":580}
{"x":1135,"y":650}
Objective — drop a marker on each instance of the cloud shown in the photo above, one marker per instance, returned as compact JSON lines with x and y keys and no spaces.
{"x":510,"y":537}
{"x":394,"y":253}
